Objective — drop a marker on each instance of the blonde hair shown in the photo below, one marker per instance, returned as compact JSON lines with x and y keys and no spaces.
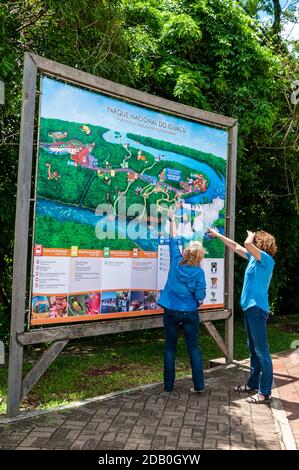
{"x":193,"y":254}
{"x":266,"y":242}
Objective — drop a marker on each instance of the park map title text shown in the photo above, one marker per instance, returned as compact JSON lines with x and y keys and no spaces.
{"x":140,"y":118}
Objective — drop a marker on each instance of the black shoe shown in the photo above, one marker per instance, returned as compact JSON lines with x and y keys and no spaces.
{"x":245,"y":389}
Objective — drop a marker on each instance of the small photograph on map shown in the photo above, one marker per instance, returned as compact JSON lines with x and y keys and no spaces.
{"x":150,"y":300}
{"x":58,"y":306}
{"x":76,"y":305}
{"x":214,"y":282}
{"x":40,"y":305}
{"x":137,"y":300}
{"x":108,"y":302}
{"x":122,"y":301}
{"x":93,"y":303}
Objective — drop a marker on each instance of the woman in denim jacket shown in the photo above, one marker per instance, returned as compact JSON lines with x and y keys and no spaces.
{"x":184,"y":290}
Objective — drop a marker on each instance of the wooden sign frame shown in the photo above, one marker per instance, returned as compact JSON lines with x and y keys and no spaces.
{"x":18,"y":387}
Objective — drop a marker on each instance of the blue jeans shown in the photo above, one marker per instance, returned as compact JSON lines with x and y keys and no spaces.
{"x":190,"y":321}
{"x":261,"y":375}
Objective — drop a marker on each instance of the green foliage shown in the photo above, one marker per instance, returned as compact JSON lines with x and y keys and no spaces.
{"x":181,"y":31}
{"x":4,"y":324}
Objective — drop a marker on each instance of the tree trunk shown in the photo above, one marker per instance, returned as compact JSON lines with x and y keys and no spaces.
{"x":3,"y":298}
{"x":277,"y":18}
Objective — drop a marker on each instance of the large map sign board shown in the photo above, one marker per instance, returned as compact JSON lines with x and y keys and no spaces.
{"x":107,"y":173}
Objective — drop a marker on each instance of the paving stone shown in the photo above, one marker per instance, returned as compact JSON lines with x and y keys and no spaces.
{"x":78,"y":444}
{"x":131,"y":446}
{"x":210,"y":443}
{"x":58,"y":444}
{"x":91,"y":444}
{"x":72,"y":434}
{"x":28,"y":441}
{"x":41,"y":442}
{"x":223,"y":445}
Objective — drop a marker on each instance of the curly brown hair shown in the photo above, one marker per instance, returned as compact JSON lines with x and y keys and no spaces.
{"x":265,"y":241}
{"x":193,"y":254}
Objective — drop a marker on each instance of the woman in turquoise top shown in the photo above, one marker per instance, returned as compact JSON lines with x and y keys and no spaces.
{"x":259,"y":249}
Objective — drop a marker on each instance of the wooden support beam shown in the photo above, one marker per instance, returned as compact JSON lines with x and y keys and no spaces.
{"x":40,"y":368}
{"x":216,"y":336}
{"x":2,"y":92}
{"x":230,"y":233}
{"x":21,"y":237}
{"x":104,"y":327}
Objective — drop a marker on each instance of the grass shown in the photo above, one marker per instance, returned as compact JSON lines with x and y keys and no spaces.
{"x":100,"y":365}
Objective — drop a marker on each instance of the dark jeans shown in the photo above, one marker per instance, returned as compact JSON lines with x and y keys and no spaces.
{"x":261,"y":375}
{"x":190,"y":321}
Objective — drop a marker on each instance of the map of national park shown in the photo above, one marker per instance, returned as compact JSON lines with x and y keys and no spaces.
{"x":108,"y":172}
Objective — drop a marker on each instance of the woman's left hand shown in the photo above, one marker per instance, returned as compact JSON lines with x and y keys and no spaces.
{"x":250,"y":237}
{"x":171,"y":215}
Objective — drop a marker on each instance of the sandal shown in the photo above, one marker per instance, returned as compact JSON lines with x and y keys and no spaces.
{"x":258,"y":398}
{"x":244,"y":389}
{"x":192,"y":390}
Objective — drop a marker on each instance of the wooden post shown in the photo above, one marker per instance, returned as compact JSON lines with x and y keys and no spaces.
{"x":231,"y":196}
{"x":2,"y":92}
{"x":21,"y":237}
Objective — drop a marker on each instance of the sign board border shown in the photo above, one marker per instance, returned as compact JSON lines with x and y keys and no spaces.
{"x":60,"y":335}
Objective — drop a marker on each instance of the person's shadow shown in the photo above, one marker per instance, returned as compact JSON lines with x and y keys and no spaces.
{"x":291,"y":407}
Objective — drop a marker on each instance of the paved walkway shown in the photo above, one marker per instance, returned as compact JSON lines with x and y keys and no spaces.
{"x":286,"y":376}
{"x":149,"y":418}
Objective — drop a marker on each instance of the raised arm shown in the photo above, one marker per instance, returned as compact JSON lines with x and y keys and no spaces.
{"x":238,"y":249}
{"x":173,"y":232}
{"x":250,"y":246}
{"x":174,"y":250}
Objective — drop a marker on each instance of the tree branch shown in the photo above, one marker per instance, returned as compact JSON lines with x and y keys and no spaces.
{"x":34,"y":19}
